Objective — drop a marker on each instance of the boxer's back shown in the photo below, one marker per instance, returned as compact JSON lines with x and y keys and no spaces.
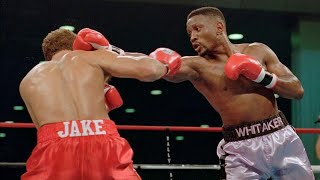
{"x":63,"y":90}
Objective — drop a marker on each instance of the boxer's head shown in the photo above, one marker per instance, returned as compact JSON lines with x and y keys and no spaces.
{"x":56,"y":41}
{"x":206,"y":27}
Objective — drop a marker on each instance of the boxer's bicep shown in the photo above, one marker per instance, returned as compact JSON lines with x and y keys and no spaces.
{"x":288,"y":85}
{"x":274,"y":65}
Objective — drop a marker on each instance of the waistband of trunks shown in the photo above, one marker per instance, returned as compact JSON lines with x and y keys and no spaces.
{"x":76,"y":128}
{"x":255,"y":129}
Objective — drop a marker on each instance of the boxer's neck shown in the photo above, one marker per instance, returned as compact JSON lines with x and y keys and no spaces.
{"x":58,"y":56}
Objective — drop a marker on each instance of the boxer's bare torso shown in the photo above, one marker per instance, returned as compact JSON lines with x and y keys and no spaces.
{"x":63,"y":90}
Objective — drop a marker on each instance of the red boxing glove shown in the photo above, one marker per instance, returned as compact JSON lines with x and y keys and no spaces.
{"x":243,"y":64}
{"x":168,"y":57}
{"x":112,"y":97}
{"x":89,"y":40}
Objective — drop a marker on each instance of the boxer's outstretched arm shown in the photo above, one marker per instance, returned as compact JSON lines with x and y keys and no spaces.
{"x":288,"y":85}
{"x":142,"y":67}
{"x":186,"y":72}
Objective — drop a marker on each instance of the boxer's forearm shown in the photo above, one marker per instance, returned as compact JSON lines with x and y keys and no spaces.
{"x":155,"y":70}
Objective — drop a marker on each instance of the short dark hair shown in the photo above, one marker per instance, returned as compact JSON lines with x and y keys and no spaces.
{"x":207,"y":11}
{"x":57,"y":40}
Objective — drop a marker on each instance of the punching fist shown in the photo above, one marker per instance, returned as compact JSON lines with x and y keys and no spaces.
{"x":89,"y":40}
{"x":168,"y":57}
{"x":248,"y":67}
{"x":112,"y":97}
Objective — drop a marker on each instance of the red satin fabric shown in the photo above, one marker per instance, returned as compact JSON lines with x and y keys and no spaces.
{"x":82,"y":157}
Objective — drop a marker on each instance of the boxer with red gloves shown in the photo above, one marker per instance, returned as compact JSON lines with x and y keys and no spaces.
{"x":239,"y":81}
{"x":76,"y":138}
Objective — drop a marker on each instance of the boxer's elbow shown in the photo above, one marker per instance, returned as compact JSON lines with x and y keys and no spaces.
{"x":299,"y":93}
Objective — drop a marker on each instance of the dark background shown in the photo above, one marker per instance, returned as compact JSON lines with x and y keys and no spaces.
{"x":140,"y":27}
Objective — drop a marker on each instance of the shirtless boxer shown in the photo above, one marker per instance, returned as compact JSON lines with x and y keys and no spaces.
{"x":68,"y":101}
{"x":239,"y":81}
